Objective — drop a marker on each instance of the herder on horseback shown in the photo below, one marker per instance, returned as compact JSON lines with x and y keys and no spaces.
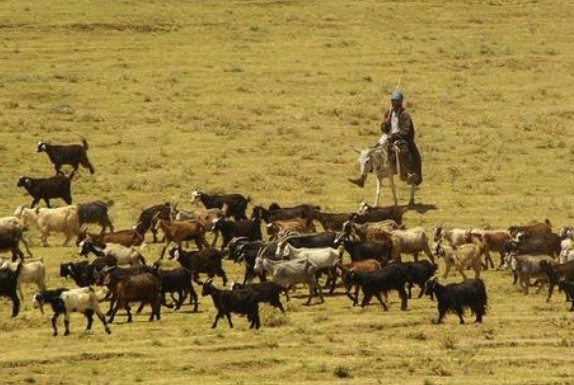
{"x":398,"y":139}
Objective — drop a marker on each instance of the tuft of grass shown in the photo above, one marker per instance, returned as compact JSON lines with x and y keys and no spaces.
{"x":341,"y":371}
{"x":449,"y":341}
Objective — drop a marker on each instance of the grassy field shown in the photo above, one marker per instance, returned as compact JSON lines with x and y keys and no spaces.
{"x":269,"y":99}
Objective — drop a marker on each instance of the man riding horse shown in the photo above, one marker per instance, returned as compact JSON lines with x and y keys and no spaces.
{"x":399,"y":134}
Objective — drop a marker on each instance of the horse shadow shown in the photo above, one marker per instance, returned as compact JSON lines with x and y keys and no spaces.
{"x":422,"y":208}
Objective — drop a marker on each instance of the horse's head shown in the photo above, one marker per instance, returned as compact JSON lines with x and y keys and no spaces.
{"x":366,"y":161}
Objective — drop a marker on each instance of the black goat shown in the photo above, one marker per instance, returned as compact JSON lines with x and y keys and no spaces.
{"x":267,"y":292}
{"x":73,"y":154}
{"x":312,"y":240}
{"x":236,"y":204}
{"x":237,"y":301}
{"x":95,"y":212}
{"x":556,"y":273}
{"x":419,"y":273}
{"x":391,"y":277}
{"x":360,"y":251}
{"x":58,"y":186}
{"x":275,"y":212}
{"x":149,"y":216}
{"x":332,"y":221}
{"x":202,"y":261}
{"x":378,"y":214}
{"x":83,"y":273}
{"x":178,"y":281}
{"x":9,"y":285}
{"x":567,"y":287}
{"x":533,"y":244}
{"x":456,"y":296}
{"x":244,"y":250}
{"x":231,"y":229}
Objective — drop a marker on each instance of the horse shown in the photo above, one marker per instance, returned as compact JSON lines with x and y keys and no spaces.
{"x":378,"y":160}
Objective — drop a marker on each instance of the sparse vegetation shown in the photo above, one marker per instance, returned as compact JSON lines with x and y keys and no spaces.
{"x":269,"y":99}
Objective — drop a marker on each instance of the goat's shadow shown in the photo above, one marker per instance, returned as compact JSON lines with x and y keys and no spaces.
{"x":422,"y":208}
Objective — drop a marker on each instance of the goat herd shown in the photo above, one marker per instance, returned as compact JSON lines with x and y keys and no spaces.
{"x":294,"y":253}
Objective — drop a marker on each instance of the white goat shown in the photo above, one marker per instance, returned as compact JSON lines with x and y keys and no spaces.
{"x":320,"y":257}
{"x":566,"y":250}
{"x":58,"y":220}
{"x":525,"y":267}
{"x":454,"y":237}
{"x":83,"y":300}
{"x":411,"y":241}
{"x":31,"y":272}
{"x":289,"y":273}
{"x":124,"y":255}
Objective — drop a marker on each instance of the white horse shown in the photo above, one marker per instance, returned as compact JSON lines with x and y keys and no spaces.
{"x":376,"y":160}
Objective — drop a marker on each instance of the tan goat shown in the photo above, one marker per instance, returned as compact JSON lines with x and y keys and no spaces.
{"x":295,"y":224}
{"x":466,"y":256}
{"x":179,"y":231}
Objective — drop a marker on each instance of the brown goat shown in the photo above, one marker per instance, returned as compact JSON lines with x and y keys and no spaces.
{"x":179,"y":231}
{"x":537,"y":228}
{"x":376,"y":232}
{"x":145,"y":287}
{"x":295,"y":224}
{"x":493,"y":240}
{"x":127,"y":237}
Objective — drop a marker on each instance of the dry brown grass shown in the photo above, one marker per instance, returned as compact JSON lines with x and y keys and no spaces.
{"x":268,"y":98}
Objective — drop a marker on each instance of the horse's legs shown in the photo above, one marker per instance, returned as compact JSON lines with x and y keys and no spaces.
{"x":378,"y":193}
{"x":393,"y":191}
{"x":412,"y":200}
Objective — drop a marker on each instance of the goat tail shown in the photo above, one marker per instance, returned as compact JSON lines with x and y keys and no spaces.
{"x":85,"y":144}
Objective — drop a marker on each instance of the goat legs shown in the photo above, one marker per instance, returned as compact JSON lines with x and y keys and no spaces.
{"x":67,"y":324}
{"x":15,"y":304}
{"x":441,"y":314}
{"x":383,"y":304}
{"x":54,"y":324}
{"x":90,"y":316}
{"x":459,"y":312}
{"x":155,"y":309}
{"x":217,"y":316}
{"x":228,"y":315}
{"x":428,"y":252}
{"x":193,"y":298}
{"x":102,"y":318}
{"x":355,"y":299}
{"x":404,"y":298}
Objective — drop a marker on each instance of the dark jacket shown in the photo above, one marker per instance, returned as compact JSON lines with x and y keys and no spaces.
{"x":407,"y":133}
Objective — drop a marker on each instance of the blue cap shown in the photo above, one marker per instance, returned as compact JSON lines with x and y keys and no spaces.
{"x":397,"y":96}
